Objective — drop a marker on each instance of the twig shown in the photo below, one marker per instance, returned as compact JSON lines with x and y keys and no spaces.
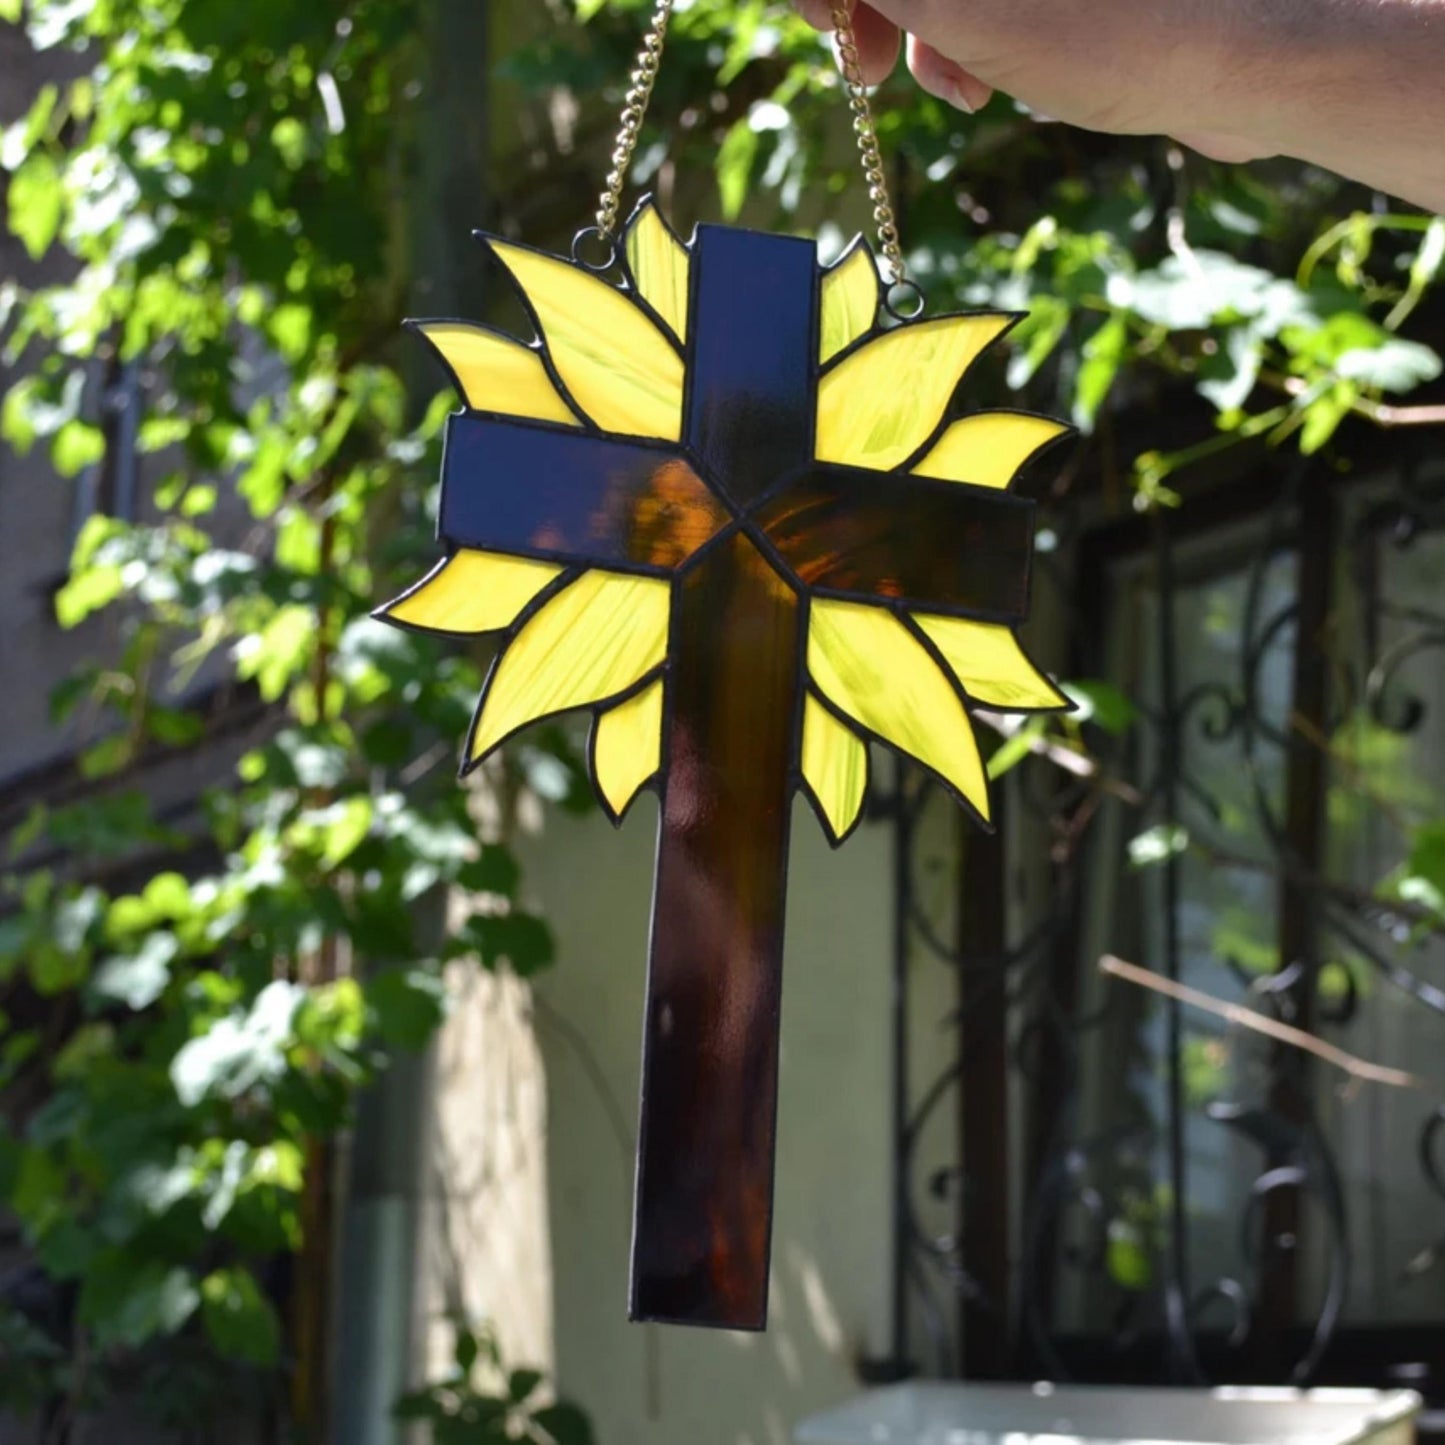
{"x":1260,"y":1023}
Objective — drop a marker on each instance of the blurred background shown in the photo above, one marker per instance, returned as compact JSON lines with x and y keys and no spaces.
{"x":319,"y":1071}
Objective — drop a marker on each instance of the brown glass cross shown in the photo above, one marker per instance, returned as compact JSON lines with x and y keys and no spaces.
{"x":747,"y":526}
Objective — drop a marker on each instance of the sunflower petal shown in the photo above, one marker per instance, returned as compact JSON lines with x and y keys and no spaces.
{"x":618,"y":366}
{"x":660,"y":266}
{"x":877,"y":406}
{"x":598,"y":637}
{"x":471,"y":592}
{"x":990,"y":449}
{"x":835,"y":764}
{"x":990,"y":664}
{"x":627,"y":748}
{"x":851,"y":296}
{"x":866,"y":662}
{"x":497,"y":373}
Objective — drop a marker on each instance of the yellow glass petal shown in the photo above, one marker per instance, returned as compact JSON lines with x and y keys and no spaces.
{"x":627,"y":748}
{"x":989,"y":662}
{"x":866,"y":662}
{"x":879,"y":405}
{"x":472,"y":592}
{"x":496,"y":373}
{"x":835,"y":763}
{"x":851,"y":294}
{"x":988,"y":450}
{"x":660,"y":266}
{"x":618,"y":366}
{"x":597,"y":637}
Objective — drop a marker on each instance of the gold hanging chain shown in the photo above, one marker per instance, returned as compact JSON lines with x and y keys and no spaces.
{"x":634,"y":110}
{"x":867,"y":133}
{"x":639,"y":97}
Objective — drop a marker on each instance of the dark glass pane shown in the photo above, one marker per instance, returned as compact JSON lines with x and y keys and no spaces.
{"x":751,"y":377}
{"x":710,"y":1070}
{"x":511,"y":487}
{"x":939,"y":545}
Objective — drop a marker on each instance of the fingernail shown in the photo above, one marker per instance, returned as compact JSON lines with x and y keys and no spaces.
{"x":959,"y":99}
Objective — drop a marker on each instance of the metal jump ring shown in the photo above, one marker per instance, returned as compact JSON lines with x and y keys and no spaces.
{"x":905,"y":300}
{"x":594,"y":234}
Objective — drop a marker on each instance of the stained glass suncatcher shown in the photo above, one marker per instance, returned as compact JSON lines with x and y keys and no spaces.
{"x":726,"y":509}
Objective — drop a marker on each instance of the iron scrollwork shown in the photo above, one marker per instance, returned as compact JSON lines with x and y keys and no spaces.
{"x":1114,"y":1272}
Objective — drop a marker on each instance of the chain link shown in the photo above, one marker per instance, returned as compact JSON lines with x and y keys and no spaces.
{"x":639,"y":96}
{"x":867,"y":133}
{"x":634,"y":110}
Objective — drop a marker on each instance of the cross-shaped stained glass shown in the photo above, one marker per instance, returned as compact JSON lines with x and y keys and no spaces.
{"x":724,"y":508}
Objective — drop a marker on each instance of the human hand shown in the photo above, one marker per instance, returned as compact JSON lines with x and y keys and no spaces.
{"x":1209,"y":74}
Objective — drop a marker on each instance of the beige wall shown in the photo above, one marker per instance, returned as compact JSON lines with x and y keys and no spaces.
{"x":661,"y":1386}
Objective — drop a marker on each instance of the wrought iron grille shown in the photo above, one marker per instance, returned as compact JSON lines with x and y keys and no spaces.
{"x":1093,"y":1181}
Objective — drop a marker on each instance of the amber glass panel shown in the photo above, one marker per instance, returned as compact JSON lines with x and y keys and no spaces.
{"x":599,"y":636}
{"x":589,"y":499}
{"x":709,"y":1095}
{"x":943,"y":546}
{"x":620,"y":369}
{"x":472,"y":592}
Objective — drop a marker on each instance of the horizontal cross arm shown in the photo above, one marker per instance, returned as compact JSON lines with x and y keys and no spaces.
{"x":573,"y":496}
{"x":876,"y":536}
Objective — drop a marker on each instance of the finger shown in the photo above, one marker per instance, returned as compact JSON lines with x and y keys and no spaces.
{"x":818,"y":13}
{"x":878,"y":41}
{"x":945,"y":78}
{"x":1231,"y":148}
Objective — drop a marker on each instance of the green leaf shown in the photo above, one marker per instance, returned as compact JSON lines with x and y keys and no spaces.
{"x":240,"y":1051}
{"x":346,"y":828}
{"x":734,"y":167}
{"x":1014,"y":749}
{"x":1392,"y":365}
{"x":77,"y":445}
{"x":89,"y":1044}
{"x":1102,"y":704}
{"x":565,"y":1424}
{"x":522,"y":1383}
{"x":1157,"y":845}
{"x":238,"y":1317}
{"x":1228,"y":377}
{"x":408,"y":1005}
{"x":520,"y":939}
{"x":128,"y":1301}
{"x":1358,"y":349}
{"x":1104,"y":354}
{"x":1127,"y":1258}
{"x":1191,"y":293}
{"x":139,"y":979}
{"x":276,"y":654}
{"x":419,"y":1406}
{"x":37,"y":200}
{"x":495,"y":871}
{"x":1324,"y":416}
{"x":1037,"y":337}
{"x":468,"y":1348}
{"x":88,"y":591}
